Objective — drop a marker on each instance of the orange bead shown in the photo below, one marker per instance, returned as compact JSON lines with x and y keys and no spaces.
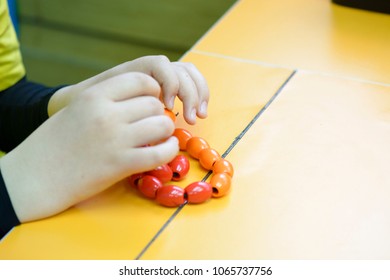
{"x":207,"y":158}
{"x":223,"y":166}
{"x":183,"y":136}
{"x":221,"y":183}
{"x":195,"y":145}
{"x":170,"y":114}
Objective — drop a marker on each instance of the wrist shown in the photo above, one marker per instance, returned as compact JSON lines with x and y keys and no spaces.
{"x":59,"y":100}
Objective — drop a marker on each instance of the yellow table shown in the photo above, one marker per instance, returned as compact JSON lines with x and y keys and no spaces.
{"x":300,"y":99}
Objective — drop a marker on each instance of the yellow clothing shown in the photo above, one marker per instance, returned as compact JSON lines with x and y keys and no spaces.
{"x":11,"y":65}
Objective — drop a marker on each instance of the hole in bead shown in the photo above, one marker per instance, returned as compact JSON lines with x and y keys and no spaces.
{"x":176,"y":175}
{"x":215,"y":191}
{"x":136,"y":181}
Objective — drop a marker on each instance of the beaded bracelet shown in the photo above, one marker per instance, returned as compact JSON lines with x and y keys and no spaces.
{"x":154,"y":184}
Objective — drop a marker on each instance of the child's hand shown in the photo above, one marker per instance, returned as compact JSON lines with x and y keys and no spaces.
{"x":97,"y":140}
{"x":176,"y":79}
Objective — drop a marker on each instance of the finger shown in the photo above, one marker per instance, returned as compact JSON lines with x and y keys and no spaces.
{"x":153,"y":156}
{"x":165,"y":75}
{"x":188,"y":94}
{"x":139,"y":108}
{"x":149,"y":131}
{"x":126,"y":86}
{"x":160,"y":68}
{"x":201,"y":86}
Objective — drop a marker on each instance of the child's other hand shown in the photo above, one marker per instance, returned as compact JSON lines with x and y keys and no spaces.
{"x":175,"y":78}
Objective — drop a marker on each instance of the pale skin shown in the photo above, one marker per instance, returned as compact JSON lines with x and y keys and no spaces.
{"x":97,"y":133}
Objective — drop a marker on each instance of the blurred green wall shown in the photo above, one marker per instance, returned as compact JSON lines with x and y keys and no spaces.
{"x":66,"y":41}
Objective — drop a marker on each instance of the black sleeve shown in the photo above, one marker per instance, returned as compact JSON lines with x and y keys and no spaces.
{"x":23,"y":107}
{"x":8,"y":218}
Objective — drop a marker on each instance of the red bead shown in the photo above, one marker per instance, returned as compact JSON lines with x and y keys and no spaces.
{"x":163,"y":173}
{"x":198,"y":192}
{"x":180,"y":166}
{"x":134,"y":179}
{"x":223,"y":166}
{"x":148,"y":186}
{"x":207,"y":158}
{"x":183,"y":136}
{"x":170,"y":196}
{"x":195,"y":145}
{"x":221,"y":183}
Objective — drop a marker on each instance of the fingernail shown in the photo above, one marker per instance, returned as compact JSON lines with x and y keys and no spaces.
{"x":193,"y":115}
{"x":171,"y":102}
{"x":203,"y":108}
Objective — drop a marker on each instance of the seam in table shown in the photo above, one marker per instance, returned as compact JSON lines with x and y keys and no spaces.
{"x":228,"y":150}
{"x":281,"y":66}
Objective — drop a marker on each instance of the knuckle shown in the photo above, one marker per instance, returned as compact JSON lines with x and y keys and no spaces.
{"x":189,"y":65}
{"x":103,"y":122}
{"x":138,"y":77}
{"x":144,"y":81}
{"x":88,"y":95}
{"x":162,"y":58}
{"x":185,"y":65}
{"x":155,"y":59}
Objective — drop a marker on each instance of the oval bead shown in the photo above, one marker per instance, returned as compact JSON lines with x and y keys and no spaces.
{"x":163,"y":173}
{"x":148,"y":186}
{"x":223,"y":166}
{"x":180,"y":166}
{"x":195,"y":145}
{"x":207,"y":158}
{"x":183,"y":136}
{"x":134,"y":179}
{"x":170,"y":196}
{"x":170,"y":114}
{"x":198,"y":192}
{"x":220,"y":183}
